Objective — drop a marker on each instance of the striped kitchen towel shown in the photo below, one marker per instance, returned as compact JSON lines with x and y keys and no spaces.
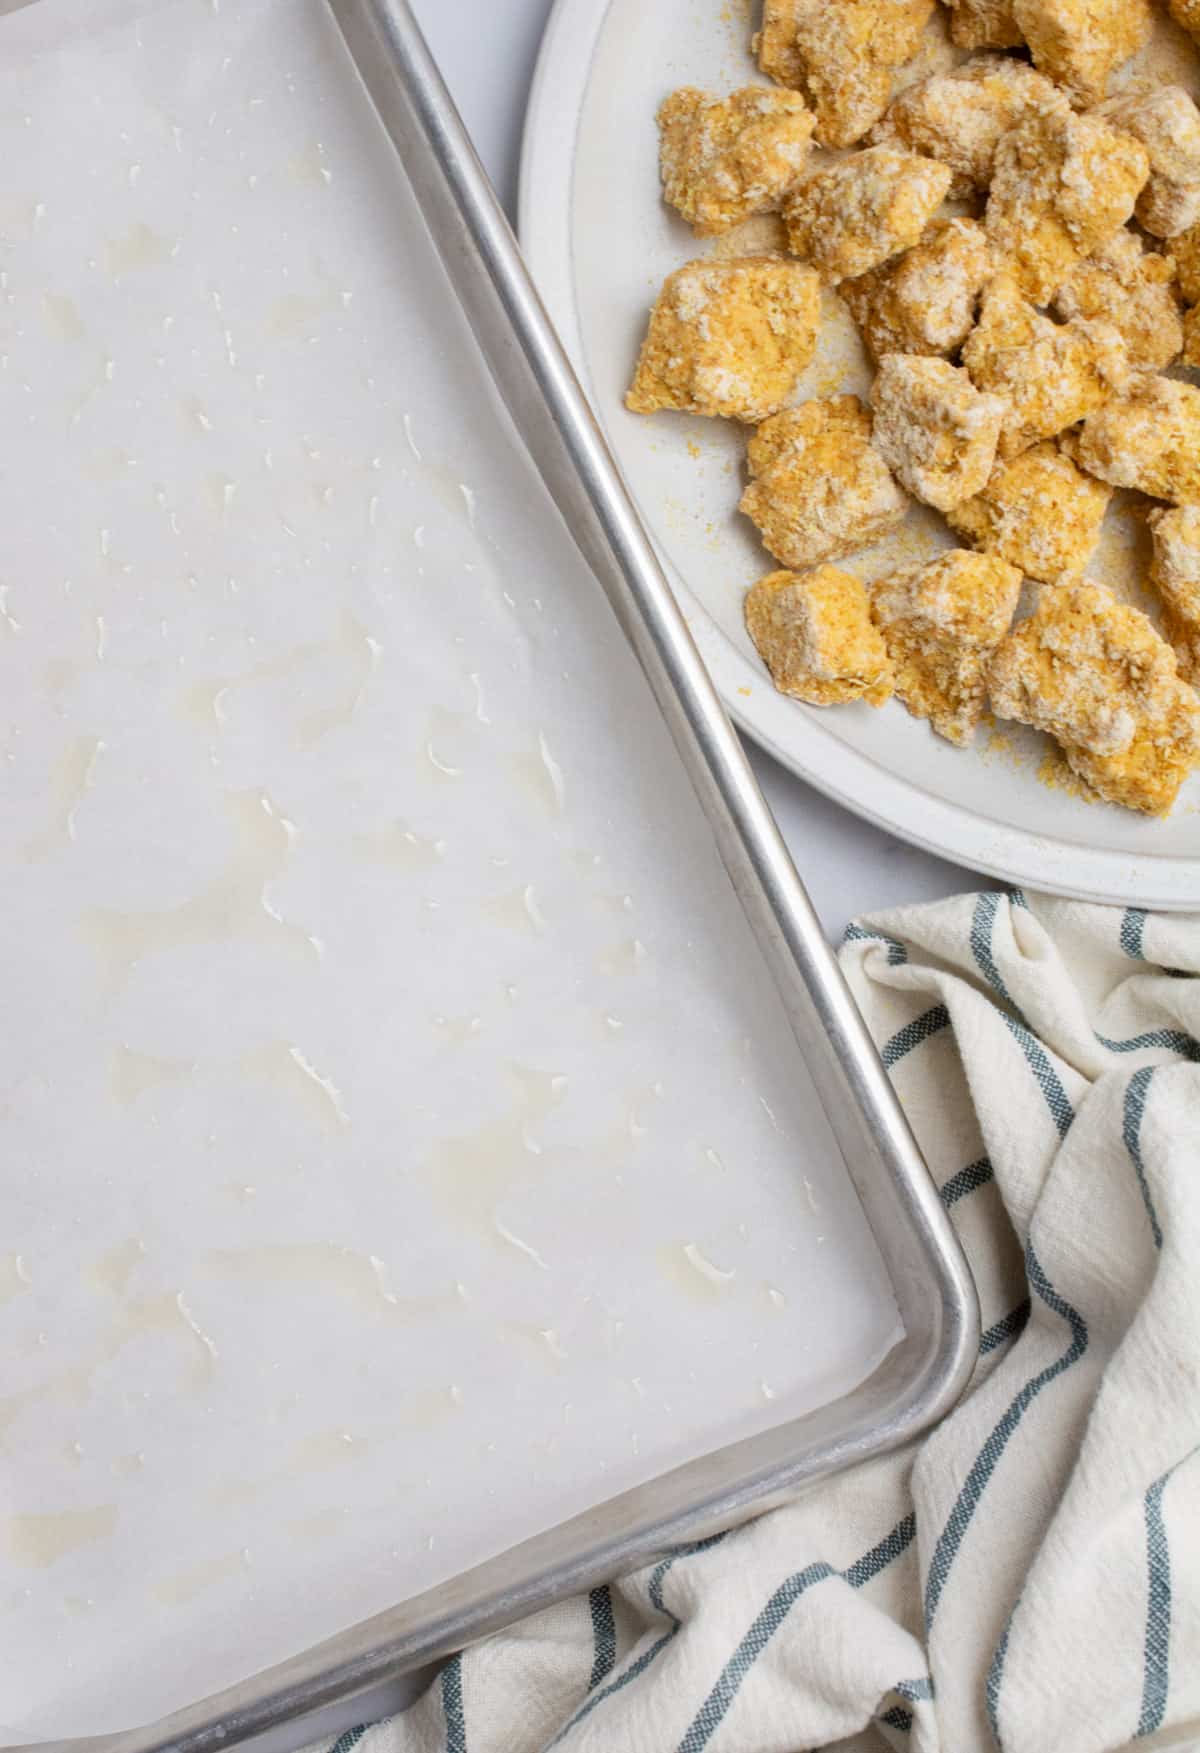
{"x":1029,"y":1576}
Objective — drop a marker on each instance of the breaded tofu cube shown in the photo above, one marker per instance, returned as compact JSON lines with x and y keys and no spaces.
{"x":860,"y":210}
{"x":1147,"y":776}
{"x":1148,"y":437}
{"x":1084,"y":667}
{"x":1080,"y":43}
{"x":814,"y":632}
{"x":1186,"y":13}
{"x":984,"y":24}
{"x":840,"y":54}
{"x":1039,"y":512}
{"x":1052,"y":373}
{"x":1167,"y":122}
{"x":728,"y":338}
{"x":959,"y":117}
{"x":935,"y":431}
{"x":819,"y":488}
{"x":1175,"y":574}
{"x":724,"y":159}
{"x":1132,"y":289}
{"x":925,"y":300}
{"x":941,"y":623}
{"x":1186,"y":250}
{"x":1095,"y":674}
{"x":1062,"y":184}
{"x":1191,"y":337}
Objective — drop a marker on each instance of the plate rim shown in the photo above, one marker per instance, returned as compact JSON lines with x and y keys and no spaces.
{"x":897,"y":805}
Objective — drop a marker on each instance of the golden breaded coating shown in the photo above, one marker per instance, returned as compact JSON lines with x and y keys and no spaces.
{"x":1148,"y":437}
{"x":840,"y":54}
{"x":1062,"y":184}
{"x":1186,"y":250}
{"x":959,"y":117}
{"x":1080,"y":43}
{"x":940,"y":623}
{"x":728,"y":338}
{"x":1186,"y":13}
{"x":1132,"y":289}
{"x":1039,"y":512}
{"x":860,"y":210}
{"x":984,"y":24}
{"x":814,"y":632}
{"x":724,"y":159}
{"x":1095,"y":674}
{"x":935,"y":431}
{"x":1052,"y":373}
{"x":1147,"y":776}
{"x":1084,"y":667}
{"x":1167,"y":122}
{"x":1175,"y":574}
{"x":1191,"y":337}
{"x":819,"y":488}
{"x":925,"y":301}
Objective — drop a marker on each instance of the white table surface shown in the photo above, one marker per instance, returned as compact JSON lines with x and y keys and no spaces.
{"x":487,"y":50}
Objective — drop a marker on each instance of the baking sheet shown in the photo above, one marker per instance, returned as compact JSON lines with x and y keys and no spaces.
{"x":405,"y":1145}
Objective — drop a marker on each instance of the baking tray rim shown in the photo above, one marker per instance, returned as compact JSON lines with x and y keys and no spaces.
{"x":923,"y":1376}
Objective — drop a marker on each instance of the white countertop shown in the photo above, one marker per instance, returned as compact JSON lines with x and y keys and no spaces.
{"x":487,"y":50}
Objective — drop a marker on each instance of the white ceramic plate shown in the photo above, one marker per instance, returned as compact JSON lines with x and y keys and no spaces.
{"x":600,"y":242}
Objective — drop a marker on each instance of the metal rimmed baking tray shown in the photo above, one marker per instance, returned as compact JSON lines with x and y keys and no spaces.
{"x":404,"y":1058}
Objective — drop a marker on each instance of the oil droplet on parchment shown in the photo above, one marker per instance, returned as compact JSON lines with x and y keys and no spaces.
{"x":131,"y":1074}
{"x":544,"y":1340}
{"x":286,"y":1068}
{"x":138,"y":248}
{"x":311,"y":166}
{"x":170,"y":1314}
{"x":14,"y":1276}
{"x":517,"y":911}
{"x":540,"y":777}
{"x":71,"y":784}
{"x":185,"y":1585}
{"x":429,"y":1409}
{"x":236,"y":904}
{"x":361,"y":1279}
{"x":321,"y":1526}
{"x":360,"y":653}
{"x":37,"y":1541}
{"x":113,"y":1270}
{"x":398,"y":845}
{"x":471,"y":1174}
{"x":62,"y":318}
{"x":622,"y":958}
{"x":689,"y":1270}
{"x":297,"y":314}
{"x":204,"y":704}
